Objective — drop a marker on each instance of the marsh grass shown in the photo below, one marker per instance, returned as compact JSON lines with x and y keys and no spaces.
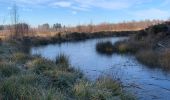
{"x":62,"y":80}
{"x":8,"y":69}
{"x":105,"y":47}
{"x":144,"y":45}
{"x":26,"y":77}
{"x":27,"y":87}
{"x":16,"y":88}
{"x":20,"y":57}
{"x":104,"y":88}
{"x":165,"y":59}
{"x":62,"y":61}
{"x":41,"y":65}
{"x":148,"y":57}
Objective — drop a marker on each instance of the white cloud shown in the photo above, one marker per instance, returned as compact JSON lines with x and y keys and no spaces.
{"x":84,"y":5}
{"x":111,"y":4}
{"x":74,"y":12}
{"x":9,"y":8}
{"x":32,"y":2}
{"x":80,"y":8}
{"x":27,"y":9}
{"x":62,"y":4}
{"x":106,"y":4}
{"x":152,"y":13}
{"x":166,"y":2}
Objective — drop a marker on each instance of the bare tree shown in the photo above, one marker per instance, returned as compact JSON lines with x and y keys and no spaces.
{"x":14,"y":19}
{"x":79,"y":28}
{"x":90,"y":27}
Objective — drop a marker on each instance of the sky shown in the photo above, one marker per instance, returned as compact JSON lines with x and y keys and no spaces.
{"x":74,"y":12}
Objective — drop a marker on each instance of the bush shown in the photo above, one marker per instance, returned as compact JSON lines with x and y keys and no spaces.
{"x":159,"y":28}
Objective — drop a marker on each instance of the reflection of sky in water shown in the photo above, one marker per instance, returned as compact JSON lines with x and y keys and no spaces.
{"x":148,"y":83}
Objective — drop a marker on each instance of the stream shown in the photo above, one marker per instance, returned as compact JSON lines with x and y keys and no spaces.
{"x":143,"y":82}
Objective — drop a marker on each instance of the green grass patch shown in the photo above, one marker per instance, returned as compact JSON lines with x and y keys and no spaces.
{"x":8,"y":69}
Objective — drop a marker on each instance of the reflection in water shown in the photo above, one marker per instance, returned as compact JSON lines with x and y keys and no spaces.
{"x":144,"y":82}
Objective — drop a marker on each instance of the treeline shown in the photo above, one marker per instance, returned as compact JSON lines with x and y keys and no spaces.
{"x":24,"y":29}
{"x":123,"y":26}
{"x":16,"y":30}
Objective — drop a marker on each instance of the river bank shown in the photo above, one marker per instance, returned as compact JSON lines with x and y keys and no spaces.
{"x":150,"y":46}
{"x":25,"y":76}
{"x":71,"y":37}
{"x":144,"y":82}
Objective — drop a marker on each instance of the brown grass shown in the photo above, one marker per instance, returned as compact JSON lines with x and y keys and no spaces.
{"x":148,"y":57}
{"x":165,"y":59}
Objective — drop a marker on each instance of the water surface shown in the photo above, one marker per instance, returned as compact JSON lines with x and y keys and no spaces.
{"x":142,"y":81}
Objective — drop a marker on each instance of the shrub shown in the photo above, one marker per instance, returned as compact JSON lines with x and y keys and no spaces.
{"x":159,"y":28}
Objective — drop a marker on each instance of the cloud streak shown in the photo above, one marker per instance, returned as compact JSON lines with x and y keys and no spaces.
{"x":76,"y":6}
{"x":81,"y":4}
{"x":152,"y":13}
{"x":62,"y":4}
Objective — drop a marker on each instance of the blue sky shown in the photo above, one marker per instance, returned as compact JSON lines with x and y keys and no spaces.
{"x":73,"y":12}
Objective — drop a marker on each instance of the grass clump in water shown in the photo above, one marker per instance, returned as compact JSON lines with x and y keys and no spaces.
{"x":62,"y":62}
{"x":105,"y":47}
